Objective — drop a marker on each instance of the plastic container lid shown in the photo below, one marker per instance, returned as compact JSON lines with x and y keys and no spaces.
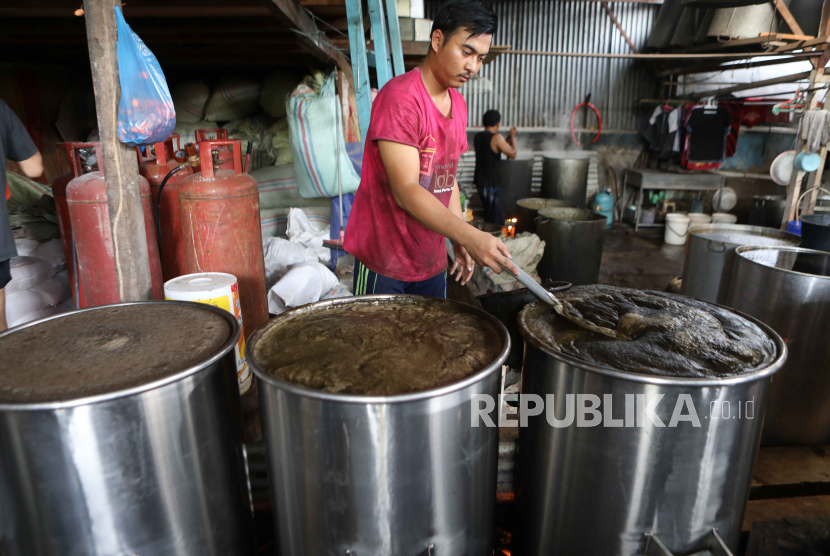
{"x":192,"y":287}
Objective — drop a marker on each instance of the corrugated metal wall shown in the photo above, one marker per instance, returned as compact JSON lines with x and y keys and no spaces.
{"x":541,"y":91}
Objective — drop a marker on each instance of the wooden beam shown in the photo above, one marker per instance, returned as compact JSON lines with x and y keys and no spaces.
{"x":126,"y":213}
{"x":818,"y":42}
{"x":787,"y":17}
{"x":292,"y":14}
{"x":754,"y":85}
{"x":619,"y":27}
{"x":788,"y":37}
{"x":718,"y":66}
{"x":752,"y":41}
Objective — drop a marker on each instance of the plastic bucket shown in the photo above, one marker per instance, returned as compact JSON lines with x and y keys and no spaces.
{"x":724,"y":218}
{"x":677,"y":229}
{"x":220,"y":290}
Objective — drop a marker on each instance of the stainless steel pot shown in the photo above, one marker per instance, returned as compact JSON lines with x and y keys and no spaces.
{"x":528,"y":209}
{"x":707,"y":268}
{"x":789,"y":289}
{"x":565,"y":179}
{"x":154,"y":470}
{"x":573,"y":245}
{"x":380,"y":476}
{"x":607,"y":490}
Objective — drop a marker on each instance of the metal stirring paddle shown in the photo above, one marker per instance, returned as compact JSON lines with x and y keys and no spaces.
{"x":562,"y":308}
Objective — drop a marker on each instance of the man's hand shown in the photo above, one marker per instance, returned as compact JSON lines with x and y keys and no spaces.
{"x":464,"y":263}
{"x":513,"y":132}
{"x":488,"y":250}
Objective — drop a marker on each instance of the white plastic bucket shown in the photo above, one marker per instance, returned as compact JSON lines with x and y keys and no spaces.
{"x":724,"y":218}
{"x":698,"y":218}
{"x":220,"y":290}
{"x":677,"y":229}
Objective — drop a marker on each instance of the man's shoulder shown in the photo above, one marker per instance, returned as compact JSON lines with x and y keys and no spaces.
{"x":400,"y":88}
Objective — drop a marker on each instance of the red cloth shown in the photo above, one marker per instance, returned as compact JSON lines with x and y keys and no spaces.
{"x":380,"y":234}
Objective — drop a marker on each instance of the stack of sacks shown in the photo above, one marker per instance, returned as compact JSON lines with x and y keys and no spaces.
{"x":232,"y":99}
{"x":189,"y":99}
{"x":40,"y":284}
{"x":278,"y":193}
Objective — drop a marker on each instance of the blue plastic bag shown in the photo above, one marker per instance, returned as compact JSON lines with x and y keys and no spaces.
{"x":145,"y":113}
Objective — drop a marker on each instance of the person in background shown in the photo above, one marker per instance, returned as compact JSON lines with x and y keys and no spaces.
{"x":16,"y":145}
{"x":408,"y":200}
{"x":489,"y":146}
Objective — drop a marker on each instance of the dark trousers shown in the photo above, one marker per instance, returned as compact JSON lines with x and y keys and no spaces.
{"x":367,"y":282}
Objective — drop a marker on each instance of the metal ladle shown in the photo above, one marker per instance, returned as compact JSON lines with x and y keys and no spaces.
{"x":562,"y":308}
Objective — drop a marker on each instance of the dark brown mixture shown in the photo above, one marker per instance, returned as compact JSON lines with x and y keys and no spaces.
{"x":378,"y":349}
{"x":106,"y":350}
{"x":666,"y":335}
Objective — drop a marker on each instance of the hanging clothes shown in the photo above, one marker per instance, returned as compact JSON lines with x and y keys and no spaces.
{"x":707,"y":134}
{"x":659,"y":134}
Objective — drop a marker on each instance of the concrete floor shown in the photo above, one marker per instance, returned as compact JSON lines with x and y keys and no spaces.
{"x":639,"y":261}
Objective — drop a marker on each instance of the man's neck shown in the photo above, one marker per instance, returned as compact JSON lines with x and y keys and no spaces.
{"x":492,"y":129}
{"x":435,"y":89}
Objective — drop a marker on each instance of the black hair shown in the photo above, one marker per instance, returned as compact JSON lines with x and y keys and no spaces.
{"x":467,"y":14}
{"x":491,"y":118}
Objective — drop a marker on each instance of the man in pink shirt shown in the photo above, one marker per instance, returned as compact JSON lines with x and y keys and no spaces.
{"x":408,"y":200}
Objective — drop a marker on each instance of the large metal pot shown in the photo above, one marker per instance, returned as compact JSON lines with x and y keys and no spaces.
{"x":767,"y":210}
{"x":506,"y":306}
{"x":573,"y":245}
{"x":609,"y":490}
{"x":154,"y":470}
{"x":710,"y":256}
{"x":815,"y":231}
{"x":565,"y":179}
{"x":389,"y":475}
{"x":789,"y":289}
{"x":516,"y":180}
{"x":528,"y":209}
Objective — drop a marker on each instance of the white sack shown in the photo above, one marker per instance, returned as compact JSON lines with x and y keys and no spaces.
{"x":303,"y":284}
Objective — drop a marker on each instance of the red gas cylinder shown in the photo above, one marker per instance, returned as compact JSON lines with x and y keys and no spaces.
{"x":64,"y":223}
{"x":225,"y":153}
{"x":222,"y":233}
{"x":169,"y":221}
{"x":86,"y":196}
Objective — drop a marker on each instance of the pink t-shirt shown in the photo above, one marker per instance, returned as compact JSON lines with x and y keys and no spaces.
{"x":380,"y":234}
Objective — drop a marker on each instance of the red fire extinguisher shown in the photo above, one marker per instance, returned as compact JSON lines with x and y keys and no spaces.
{"x":167,"y":214}
{"x":86,"y":196}
{"x":64,"y":222}
{"x":222,"y":233}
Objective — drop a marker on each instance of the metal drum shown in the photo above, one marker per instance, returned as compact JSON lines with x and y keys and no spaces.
{"x":380,"y":475}
{"x":815,"y":231}
{"x":710,"y":256}
{"x":573,"y":245}
{"x":528,"y":209}
{"x":610,"y":489}
{"x":152,"y":468}
{"x":767,"y":210}
{"x":517,"y":180}
{"x":788,"y":288}
{"x":565,"y":179}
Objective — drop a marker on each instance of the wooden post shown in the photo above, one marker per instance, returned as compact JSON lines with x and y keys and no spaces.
{"x":360,"y":65}
{"x":126,"y":215}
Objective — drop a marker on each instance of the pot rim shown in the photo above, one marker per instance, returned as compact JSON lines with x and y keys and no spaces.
{"x":221,"y":352}
{"x":298,"y":390}
{"x":746,"y":248}
{"x":810,"y":219}
{"x":771,"y":368}
{"x":768,"y":232}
